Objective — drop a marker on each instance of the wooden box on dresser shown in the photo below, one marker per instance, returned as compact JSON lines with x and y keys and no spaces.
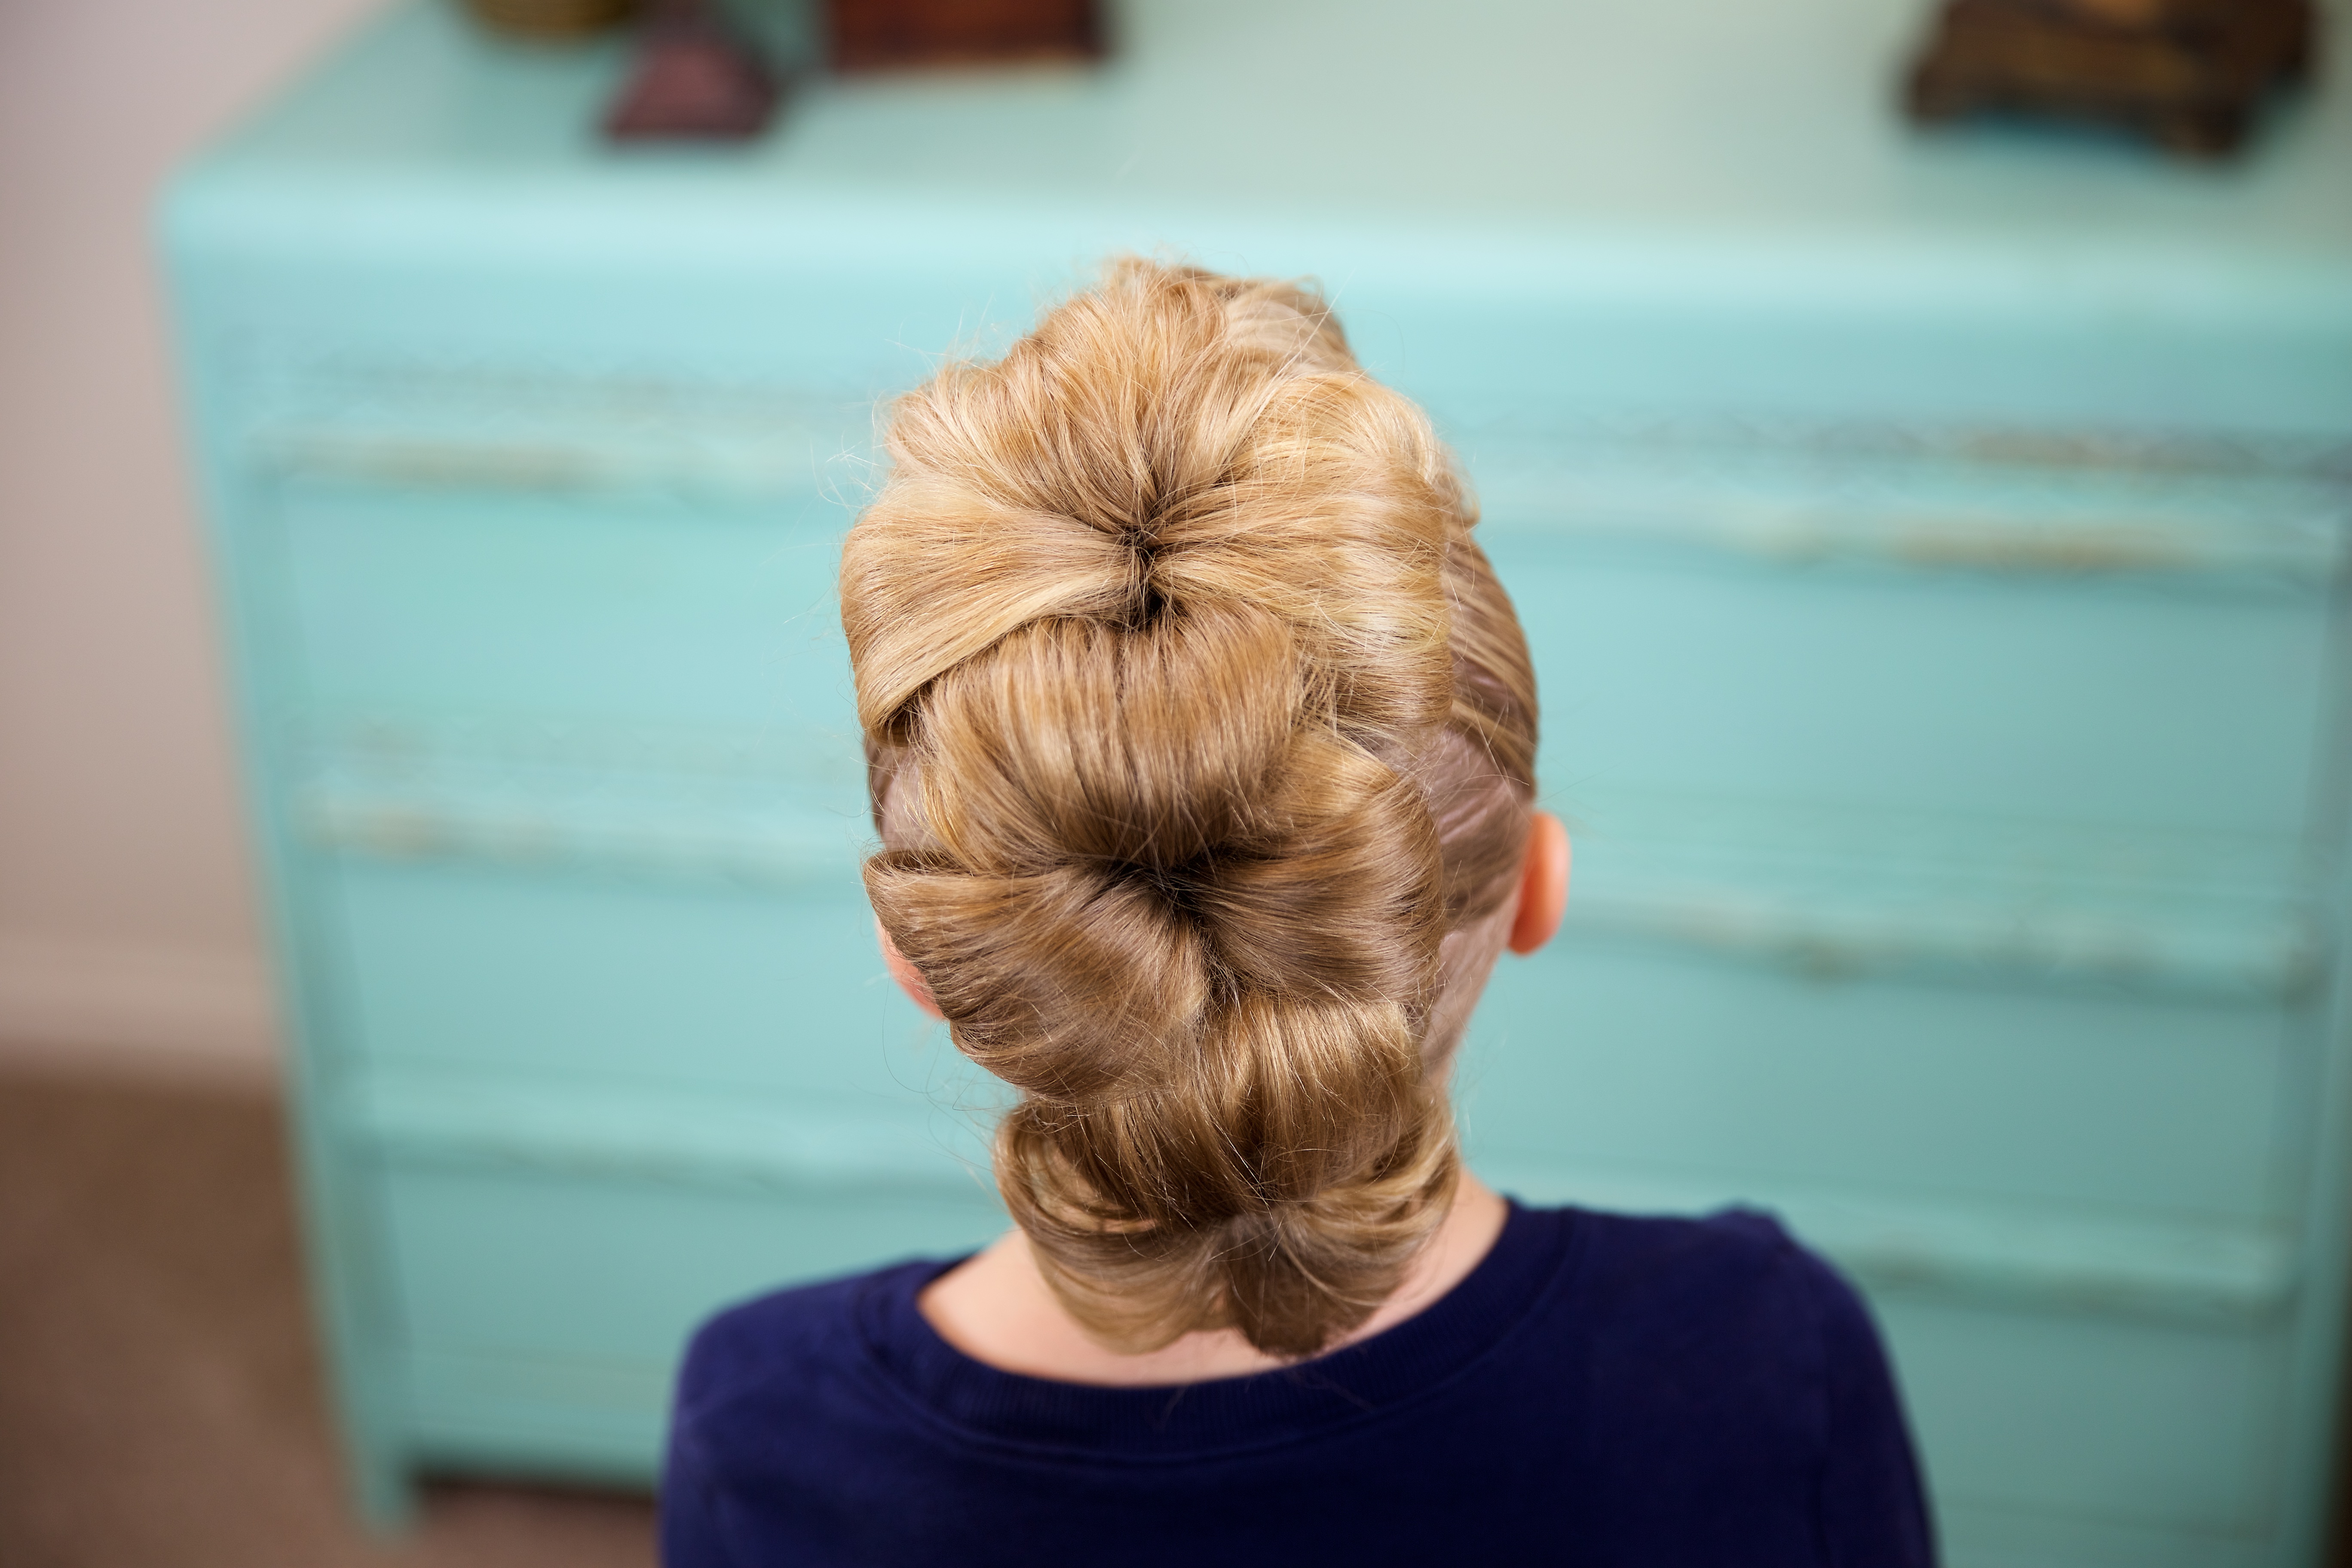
{"x":1933,"y":550}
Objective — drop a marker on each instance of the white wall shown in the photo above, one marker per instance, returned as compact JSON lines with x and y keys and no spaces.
{"x":127,"y":924}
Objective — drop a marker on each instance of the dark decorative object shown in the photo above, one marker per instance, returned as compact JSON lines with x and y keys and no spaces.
{"x":695,"y":79}
{"x":550,"y":19}
{"x":2189,"y":73}
{"x":877,"y":34}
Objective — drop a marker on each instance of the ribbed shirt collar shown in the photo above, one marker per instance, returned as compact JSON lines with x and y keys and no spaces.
{"x":1359,"y":1382}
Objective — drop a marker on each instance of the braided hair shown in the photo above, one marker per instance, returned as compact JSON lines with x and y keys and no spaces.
{"x":1195,"y":720}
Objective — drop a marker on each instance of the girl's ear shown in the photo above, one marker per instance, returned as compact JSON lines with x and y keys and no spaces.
{"x":909,"y":978}
{"x":1543,"y":885}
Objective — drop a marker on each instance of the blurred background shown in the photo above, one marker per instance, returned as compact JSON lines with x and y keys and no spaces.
{"x":160,"y":1398}
{"x":432,"y":968}
{"x":126,"y":903}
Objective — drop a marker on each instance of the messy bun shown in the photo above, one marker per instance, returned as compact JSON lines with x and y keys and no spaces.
{"x":1196,"y":720}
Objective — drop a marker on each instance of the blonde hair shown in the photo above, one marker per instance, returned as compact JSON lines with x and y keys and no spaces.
{"x":1195,"y":719}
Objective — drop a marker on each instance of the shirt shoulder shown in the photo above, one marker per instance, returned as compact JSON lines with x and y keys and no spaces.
{"x":1734,"y":1277}
{"x":758,"y":1382}
{"x":774,"y":1344}
{"x":1728,"y":1326}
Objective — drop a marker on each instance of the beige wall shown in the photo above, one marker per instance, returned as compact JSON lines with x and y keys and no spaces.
{"x":127,"y":925}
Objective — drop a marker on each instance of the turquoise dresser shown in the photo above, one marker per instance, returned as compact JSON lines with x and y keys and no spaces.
{"x":1933,"y":553}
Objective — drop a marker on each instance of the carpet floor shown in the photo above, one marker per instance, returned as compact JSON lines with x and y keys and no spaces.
{"x":160,"y":1399}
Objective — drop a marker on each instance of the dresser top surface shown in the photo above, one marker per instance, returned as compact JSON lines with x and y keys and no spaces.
{"x":1487,"y":122}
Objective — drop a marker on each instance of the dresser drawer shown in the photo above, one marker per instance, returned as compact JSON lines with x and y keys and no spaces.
{"x":541,"y":1313}
{"x":2118,"y":1432}
{"x":563,"y":605}
{"x":2113,"y":699}
{"x":1611,"y":1054}
{"x":455,"y":962}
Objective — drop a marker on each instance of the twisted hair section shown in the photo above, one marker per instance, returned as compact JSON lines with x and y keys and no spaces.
{"x":1196,"y":720}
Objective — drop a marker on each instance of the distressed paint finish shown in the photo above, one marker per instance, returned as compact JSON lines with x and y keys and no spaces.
{"x":1934,"y":555}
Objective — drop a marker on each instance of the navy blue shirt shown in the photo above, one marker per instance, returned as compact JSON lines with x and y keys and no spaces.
{"x":1599,"y":1390}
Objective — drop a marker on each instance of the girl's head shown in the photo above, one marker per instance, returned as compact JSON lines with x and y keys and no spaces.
{"x":1202,"y":743}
